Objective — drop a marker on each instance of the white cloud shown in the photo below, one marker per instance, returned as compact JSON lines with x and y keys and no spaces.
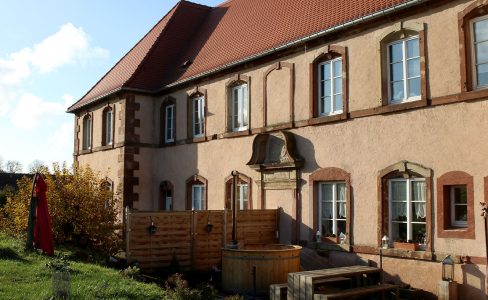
{"x":69,"y":45}
{"x":31,"y":109}
{"x":63,"y":137}
{"x":68,"y":100}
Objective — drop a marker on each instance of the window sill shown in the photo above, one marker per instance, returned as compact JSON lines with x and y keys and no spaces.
{"x":86,"y":151}
{"x":402,"y":253}
{"x":104,"y":147}
{"x":456,"y":233}
{"x":167,"y":144}
{"x":327,"y":119}
{"x":233,"y":134}
{"x":390,"y":108}
{"x":196,"y":139}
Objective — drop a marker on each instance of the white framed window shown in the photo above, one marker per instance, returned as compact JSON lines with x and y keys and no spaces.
{"x":403,"y":67}
{"x":198,"y":197}
{"x":407,"y":210}
{"x":459,"y":205}
{"x":479,"y":38}
{"x":239,"y":102}
{"x":332,"y":208}
{"x":169,"y":123}
{"x":108,"y":130}
{"x":242,"y":196}
{"x":198,"y":104}
{"x":330,"y":87}
{"x":168,"y":200}
{"x":87,"y":132}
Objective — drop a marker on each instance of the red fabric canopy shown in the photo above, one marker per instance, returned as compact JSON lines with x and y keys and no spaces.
{"x":43,"y":237}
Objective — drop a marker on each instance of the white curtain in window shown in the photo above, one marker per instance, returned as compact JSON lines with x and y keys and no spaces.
{"x":341,"y":195}
{"x":418,"y":194}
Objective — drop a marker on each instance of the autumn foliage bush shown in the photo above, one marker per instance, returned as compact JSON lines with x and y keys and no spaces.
{"x":83,"y":210}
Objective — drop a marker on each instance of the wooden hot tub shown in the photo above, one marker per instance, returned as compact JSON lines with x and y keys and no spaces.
{"x":259,"y":265}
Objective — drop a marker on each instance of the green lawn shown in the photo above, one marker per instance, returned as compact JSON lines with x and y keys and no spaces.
{"x":25,"y":276}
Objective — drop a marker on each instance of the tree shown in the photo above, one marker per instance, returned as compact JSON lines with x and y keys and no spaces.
{"x":37,"y":166}
{"x":13,"y":166}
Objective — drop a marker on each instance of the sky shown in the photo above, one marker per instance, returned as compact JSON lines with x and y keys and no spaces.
{"x":51,"y":53}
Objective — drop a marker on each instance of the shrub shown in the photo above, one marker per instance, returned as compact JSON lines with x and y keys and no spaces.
{"x":82,"y":209}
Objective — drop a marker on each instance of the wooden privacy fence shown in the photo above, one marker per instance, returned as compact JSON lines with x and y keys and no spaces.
{"x":195,"y":238}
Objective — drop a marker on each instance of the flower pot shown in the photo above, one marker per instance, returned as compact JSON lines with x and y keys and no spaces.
{"x":406,"y":246}
{"x":331,"y":239}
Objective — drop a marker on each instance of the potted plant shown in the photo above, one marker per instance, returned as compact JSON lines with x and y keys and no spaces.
{"x":406,"y":245}
{"x":331,"y":239}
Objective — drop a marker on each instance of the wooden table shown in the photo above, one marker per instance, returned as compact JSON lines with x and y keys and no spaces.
{"x":301,"y":284}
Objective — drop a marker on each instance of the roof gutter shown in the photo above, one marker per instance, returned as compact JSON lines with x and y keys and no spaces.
{"x":299,"y":41}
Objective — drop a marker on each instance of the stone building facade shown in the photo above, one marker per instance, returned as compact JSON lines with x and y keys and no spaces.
{"x":364,"y":119}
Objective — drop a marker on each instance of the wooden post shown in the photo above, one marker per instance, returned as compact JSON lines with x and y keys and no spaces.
{"x":32,"y":217}
{"x":234,"y":174}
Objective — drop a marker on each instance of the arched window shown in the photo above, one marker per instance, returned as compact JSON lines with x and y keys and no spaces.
{"x":196,"y":193}
{"x":238,"y":103}
{"x":332,"y":201}
{"x":197,"y":108}
{"x":166,"y":196}
{"x":244,"y":192}
{"x":108,"y":126}
{"x":405,"y":204}
{"x":168,"y":114}
{"x":87,"y":132}
{"x":473,"y":28}
{"x":108,"y":186}
{"x":403,"y":65}
{"x":329,"y":83}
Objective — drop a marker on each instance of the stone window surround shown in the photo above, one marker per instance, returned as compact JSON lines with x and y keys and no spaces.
{"x":444,"y":228}
{"x":167,"y":102}
{"x":291,"y":100}
{"x":474,"y":10}
{"x":242,"y":178}
{"x":237,"y":79}
{"x":332,"y":51}
{"x":196,"y":179}
{"x":104,"y":125}
{"x":196,"y":92}
{"x":403,"y":169}
{"x":88,"y":115}
{"x":401,"y":31}
{"x":330,"y":174}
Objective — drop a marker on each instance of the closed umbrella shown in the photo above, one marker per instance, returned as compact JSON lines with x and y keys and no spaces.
{"x":43,"y":238}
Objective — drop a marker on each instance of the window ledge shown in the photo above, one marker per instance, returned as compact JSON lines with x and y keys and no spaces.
{"x":86,"y":151}
{"x":457,"y":233}
{"x":167,"y":144}
{"x":236,"y":133}
{"x":327,"y":119}
{"x":104,"y":147}
{"x":389,"y":108}
{"x":196,"y":139}
{"x":401,"y":253}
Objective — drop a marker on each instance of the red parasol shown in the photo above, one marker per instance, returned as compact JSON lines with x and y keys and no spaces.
{"x":43,"y":237}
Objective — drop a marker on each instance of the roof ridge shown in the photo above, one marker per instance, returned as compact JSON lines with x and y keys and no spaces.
{"x":171,"y":11}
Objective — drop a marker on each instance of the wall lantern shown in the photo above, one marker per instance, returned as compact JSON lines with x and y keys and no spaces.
{"x":342,"y":238}
{"x":385,"y":242}
{"x":209,"y":227}
{"x":152,"y":228}
{"x":318,"y":235}
{"x":448,"y":269}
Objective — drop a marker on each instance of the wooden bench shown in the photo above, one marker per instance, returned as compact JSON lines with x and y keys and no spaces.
{"x":361,"y":291}
{"x":278,"y":291}
{"x":331,"y":284}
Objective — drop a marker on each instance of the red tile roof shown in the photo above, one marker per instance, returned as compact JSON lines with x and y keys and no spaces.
{"x":215,"y":37}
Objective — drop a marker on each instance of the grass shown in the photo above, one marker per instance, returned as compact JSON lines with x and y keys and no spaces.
{"x":24,"y":275}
